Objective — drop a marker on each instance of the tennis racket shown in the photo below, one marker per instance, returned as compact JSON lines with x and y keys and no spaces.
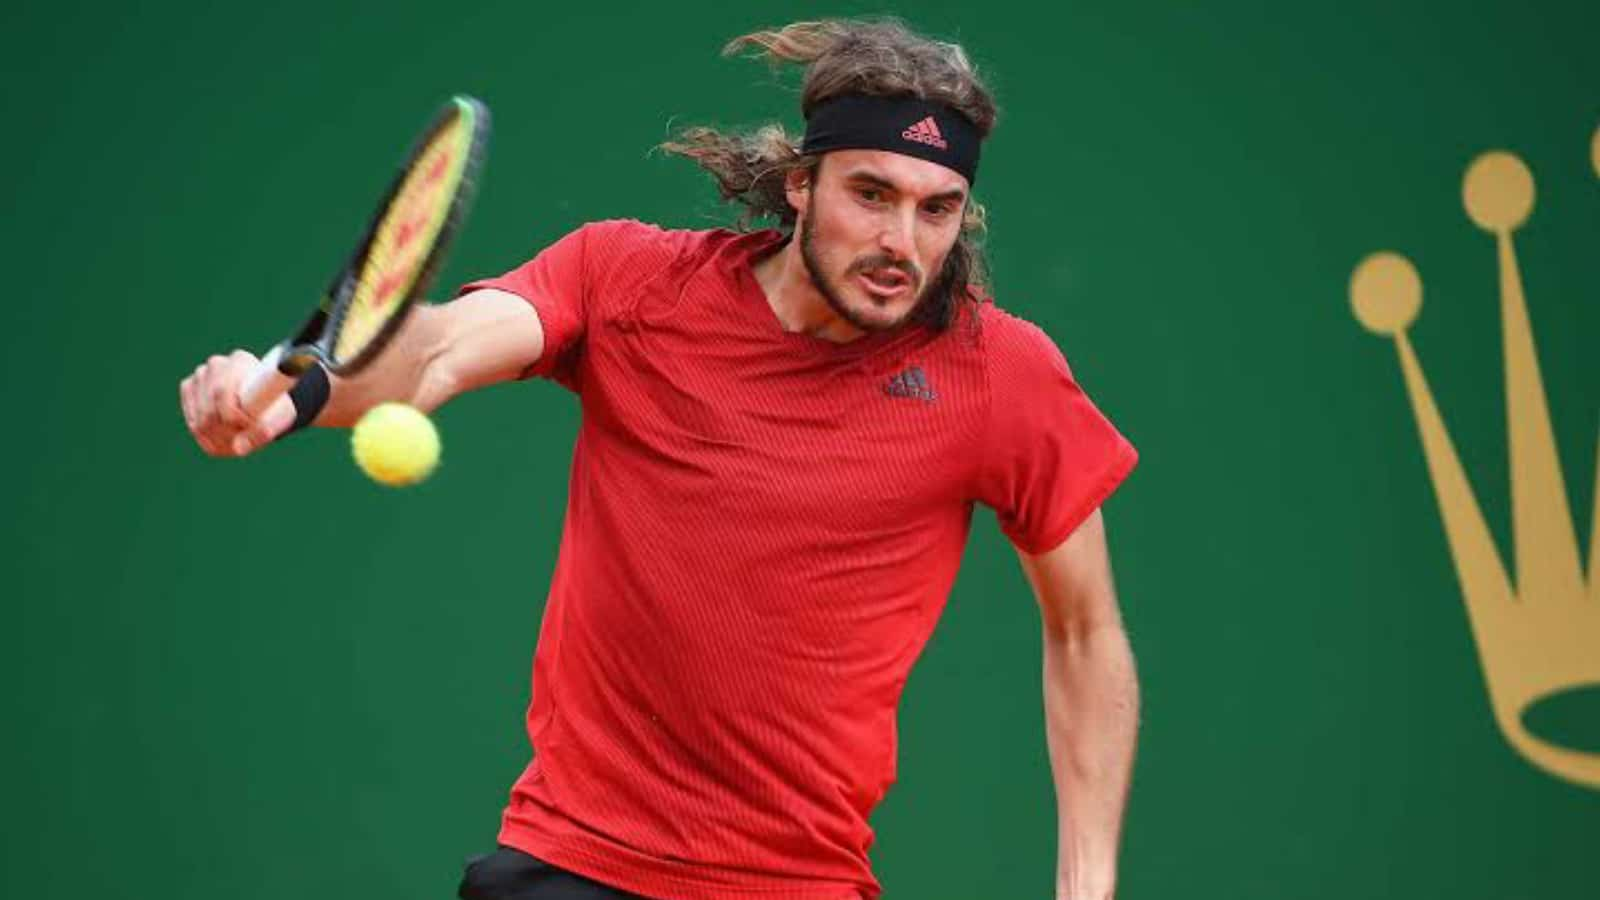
{"x":392,"y":265}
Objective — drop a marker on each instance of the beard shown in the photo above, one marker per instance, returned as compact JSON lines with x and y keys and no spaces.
{"x":830,"y":291}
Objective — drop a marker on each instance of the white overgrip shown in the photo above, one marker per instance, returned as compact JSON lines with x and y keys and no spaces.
{"x":265,"y":384}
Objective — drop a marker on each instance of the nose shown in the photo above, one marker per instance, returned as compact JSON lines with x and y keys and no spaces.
{"x":895,"y":238}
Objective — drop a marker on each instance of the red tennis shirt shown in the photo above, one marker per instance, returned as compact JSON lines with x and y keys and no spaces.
{"x":761,"y":530}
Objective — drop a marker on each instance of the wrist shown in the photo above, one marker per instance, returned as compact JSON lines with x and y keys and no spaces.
{"x":1086,"y":876}
{"x":309,"y":395}
{"x":1081,"y":890}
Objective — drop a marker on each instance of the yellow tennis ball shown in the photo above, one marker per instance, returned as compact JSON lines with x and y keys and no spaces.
{"x":395,"y":444}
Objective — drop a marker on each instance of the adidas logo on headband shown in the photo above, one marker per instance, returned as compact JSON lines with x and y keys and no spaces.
{"x":926,"y":132}
{"x":939,"y":133}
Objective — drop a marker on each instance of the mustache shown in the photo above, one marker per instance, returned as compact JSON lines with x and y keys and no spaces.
{"x":883,"y":261}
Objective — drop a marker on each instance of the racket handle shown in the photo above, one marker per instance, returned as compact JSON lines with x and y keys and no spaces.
{"x":266,"y":384}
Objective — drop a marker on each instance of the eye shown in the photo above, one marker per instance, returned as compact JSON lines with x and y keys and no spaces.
{"x":939,"y":210}
{"x":870,"y":194}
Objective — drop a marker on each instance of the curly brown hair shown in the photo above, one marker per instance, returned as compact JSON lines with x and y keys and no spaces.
{"x":881,"y":57}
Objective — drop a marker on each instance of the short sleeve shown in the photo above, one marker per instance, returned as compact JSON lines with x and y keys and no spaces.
{"x":582,"y":278}
{"x":557,"y":285}
{"x":1050,"y":458}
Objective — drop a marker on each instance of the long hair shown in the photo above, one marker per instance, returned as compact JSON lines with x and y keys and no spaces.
{"x":880,"y":57}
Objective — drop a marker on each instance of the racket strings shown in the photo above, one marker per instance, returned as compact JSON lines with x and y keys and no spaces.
{"x":404,"y":237}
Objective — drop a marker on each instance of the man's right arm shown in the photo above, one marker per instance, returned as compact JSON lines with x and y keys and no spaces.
{"x":483,"y":337}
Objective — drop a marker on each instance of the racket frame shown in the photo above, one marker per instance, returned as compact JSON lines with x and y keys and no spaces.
{"x":314,"y":342}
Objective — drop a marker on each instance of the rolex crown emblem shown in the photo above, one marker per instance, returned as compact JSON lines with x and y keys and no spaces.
{"x":1539,"y":635}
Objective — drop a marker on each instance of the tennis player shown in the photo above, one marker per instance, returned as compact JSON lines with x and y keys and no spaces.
{"x":784,"y":434}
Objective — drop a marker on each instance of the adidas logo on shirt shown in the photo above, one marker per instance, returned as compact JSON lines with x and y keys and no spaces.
{"x":926,"y":132}
{"x":911,"y":383}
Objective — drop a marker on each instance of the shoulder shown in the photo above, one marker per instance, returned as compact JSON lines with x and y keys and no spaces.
{"x":610,"y":238}
{"x":621,"y":252}
{"x":1016,"y":352}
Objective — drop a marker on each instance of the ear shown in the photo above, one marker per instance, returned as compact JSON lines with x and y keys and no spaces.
{"x":797,"y":189}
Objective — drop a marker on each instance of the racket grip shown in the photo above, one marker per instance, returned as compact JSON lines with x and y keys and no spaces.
{"x":266,"y":384}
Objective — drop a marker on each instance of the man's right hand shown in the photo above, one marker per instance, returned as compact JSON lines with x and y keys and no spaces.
{"x":480,"y":338}
{"x":210,"y":400}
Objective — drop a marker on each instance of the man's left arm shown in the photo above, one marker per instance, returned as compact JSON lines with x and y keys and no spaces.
{"x":1091,"y":706}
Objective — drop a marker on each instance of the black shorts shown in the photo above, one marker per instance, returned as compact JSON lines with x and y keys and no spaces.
{"x":510,"y":874}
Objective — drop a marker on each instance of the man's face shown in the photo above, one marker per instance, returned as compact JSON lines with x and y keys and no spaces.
{"x":875,"y":228}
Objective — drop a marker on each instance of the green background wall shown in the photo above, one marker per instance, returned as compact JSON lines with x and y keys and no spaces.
{"x":1178,"y":196}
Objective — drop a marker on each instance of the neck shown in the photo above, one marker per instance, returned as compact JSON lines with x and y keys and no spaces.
{"x":795,"y":300}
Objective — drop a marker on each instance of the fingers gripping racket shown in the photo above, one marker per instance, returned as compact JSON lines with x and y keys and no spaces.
{"x":394,"y":262}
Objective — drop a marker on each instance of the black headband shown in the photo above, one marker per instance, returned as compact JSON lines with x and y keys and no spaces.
{"x":906,"y":125}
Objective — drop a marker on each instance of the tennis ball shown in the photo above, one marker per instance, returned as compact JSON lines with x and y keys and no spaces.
{"x":395,"y":444}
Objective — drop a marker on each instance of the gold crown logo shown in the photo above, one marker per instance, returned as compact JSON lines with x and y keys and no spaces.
{"x":1542,"y":636}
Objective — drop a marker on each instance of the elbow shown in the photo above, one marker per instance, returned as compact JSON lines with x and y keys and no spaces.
{"x":439,"y":373}
{"x":439,"y":382}
{"x":1078,"y":624}
{"x":1100,"y":653}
